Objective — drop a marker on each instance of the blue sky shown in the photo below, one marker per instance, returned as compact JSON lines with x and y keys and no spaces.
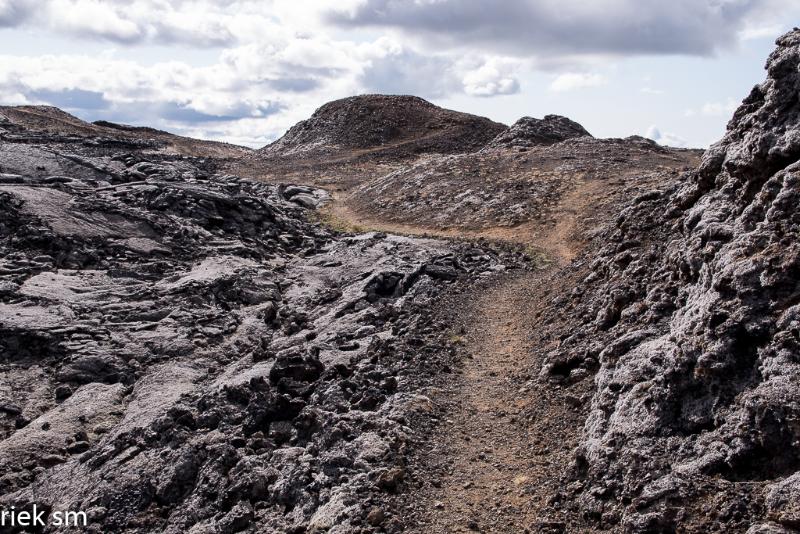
{"x":244,"y":71}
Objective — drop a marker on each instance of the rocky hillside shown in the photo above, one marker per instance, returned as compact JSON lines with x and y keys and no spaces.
{"x":522,"y":177}
{"x":345,"y":142}
{"x":688,"y":317}
{"x":400,"y":161}
{"x":52,"y":121}
{"x":377,"y":126}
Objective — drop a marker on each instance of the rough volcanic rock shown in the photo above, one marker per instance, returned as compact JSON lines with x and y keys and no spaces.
{"x":182,"y":351}
{"x":527,"y":132}
{"x":382,"y":125}
{"x":690,"y":318}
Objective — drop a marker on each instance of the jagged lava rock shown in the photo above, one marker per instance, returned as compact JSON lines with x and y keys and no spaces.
{"x":691,"y":316}
{"x":182,"y":350}
{"x":503,"y":187}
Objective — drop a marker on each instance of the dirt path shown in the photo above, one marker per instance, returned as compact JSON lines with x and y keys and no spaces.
{"x":558,"y":242}
{"x":508,"y":437}
{"x":338,"y":213}
{"x":493,"y":458}
{"x":561,"y":241}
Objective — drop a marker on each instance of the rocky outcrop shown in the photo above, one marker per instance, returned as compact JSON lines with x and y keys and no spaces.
{"x":527,"y":132}
{"x":690,"y":320}
{"x":382,"y":126}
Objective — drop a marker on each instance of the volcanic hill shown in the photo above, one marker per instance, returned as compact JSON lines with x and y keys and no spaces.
{"x":377,"y":126}
{"x":348,"y":139}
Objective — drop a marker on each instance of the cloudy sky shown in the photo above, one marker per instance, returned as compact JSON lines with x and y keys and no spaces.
{"x":244,"y":71}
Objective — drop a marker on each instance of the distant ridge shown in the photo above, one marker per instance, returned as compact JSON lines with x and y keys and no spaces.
{"x":51,"y":119}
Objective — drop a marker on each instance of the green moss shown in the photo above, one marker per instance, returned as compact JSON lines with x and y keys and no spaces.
{"x":537,"y":257}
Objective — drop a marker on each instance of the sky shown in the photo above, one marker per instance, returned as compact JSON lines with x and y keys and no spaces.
{"x":244,"y":71}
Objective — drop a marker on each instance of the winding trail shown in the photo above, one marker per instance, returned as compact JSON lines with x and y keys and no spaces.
{"x":557,"y":242}
{"x":507,"y":437}
{"x":492,"y":457}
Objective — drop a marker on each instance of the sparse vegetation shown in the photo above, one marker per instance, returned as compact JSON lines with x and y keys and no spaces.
{"x":327,"y":218}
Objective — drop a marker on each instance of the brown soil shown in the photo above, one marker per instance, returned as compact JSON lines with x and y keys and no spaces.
{"x":340,"y":214}
{"x":507,"y":438}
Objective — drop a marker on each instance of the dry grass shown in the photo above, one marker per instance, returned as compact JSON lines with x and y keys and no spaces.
{"x":330,"y":220}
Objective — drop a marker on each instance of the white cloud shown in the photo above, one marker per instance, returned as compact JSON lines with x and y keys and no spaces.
{"x":760,"y":32}
{"x":92,"y":17}
{"x":575,"y":80}
{"x":651,"y":91}
{"x":550,"y":28}
{"x":724,"y":108}
{"x":196,"y":23}
{"x":13,"y":98}
{"x":250,"y":93}
{"x":387,"y":66}
{"x":13,"y":12}
{"x":219,"y":99}
{"x":494,"y":77}
{"x":249,"y":69}
{"x":665,"y":138}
